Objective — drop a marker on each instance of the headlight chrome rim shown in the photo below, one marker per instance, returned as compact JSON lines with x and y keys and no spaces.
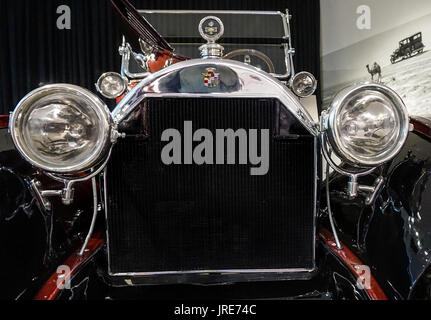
{"x":334,"y":137}
{"x":97,"y":105}
{"x":111,"y":96}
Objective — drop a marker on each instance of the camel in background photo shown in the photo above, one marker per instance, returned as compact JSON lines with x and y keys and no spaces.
{"x":376,"y":70}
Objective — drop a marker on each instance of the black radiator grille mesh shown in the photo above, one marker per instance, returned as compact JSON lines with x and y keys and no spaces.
{"x":210,"y":217}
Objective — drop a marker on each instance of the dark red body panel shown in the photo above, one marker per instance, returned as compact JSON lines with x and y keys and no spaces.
{"x":51,"y":288}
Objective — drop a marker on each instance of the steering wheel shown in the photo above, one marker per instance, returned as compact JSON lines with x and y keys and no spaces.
{"x":254,"y":53}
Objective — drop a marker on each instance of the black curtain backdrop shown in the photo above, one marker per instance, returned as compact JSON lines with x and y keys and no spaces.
{"x":35,"y":52}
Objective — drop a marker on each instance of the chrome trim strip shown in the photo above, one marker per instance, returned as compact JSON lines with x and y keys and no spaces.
{"x":316,"y":179}
{"x":253,"y":83}
{"x":204,"y":272}
{"x":212,"y":12}
{"x":226,"y":44}
{"x":105,"y":201}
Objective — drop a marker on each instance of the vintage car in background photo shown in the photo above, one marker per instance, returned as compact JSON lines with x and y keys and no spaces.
{"x":408,"y":48}
{"x":216,"y":175}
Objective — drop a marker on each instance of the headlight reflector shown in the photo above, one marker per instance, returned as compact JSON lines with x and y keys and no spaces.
{"x":61,"y":128}
{"x":367,"y":124}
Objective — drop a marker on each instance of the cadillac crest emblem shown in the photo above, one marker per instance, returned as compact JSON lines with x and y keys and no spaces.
{"x":211,"y":78}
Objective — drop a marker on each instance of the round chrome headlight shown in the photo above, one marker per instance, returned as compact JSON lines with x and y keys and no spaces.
{"x":303,"y":84}
{"x":61,"y":128}
{"x":111,"y":85}
{"x":367,"y":124}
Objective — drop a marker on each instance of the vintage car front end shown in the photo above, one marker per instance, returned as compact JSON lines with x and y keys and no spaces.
{"x":212,"y":175}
